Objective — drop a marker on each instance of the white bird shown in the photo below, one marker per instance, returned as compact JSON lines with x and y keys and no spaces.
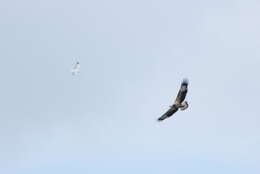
{"x":75,"y":69}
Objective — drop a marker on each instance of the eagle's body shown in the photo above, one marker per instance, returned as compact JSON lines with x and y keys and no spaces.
{"x":179,"y":104}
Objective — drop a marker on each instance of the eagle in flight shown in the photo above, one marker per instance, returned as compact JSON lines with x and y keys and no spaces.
{"x":179,"y":104}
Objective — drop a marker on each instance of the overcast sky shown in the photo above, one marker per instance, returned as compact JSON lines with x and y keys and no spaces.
{"x":133,"y":56}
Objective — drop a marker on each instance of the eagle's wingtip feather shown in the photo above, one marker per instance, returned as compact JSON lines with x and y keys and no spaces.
{"x":185,"y":81}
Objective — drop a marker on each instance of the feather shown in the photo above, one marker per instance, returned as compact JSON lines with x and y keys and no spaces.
{"x":169,"y":113}
{"x":184,"y":106}
{"x":182,"y":92}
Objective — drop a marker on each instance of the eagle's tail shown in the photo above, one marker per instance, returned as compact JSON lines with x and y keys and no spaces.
{"x":184,"y":106}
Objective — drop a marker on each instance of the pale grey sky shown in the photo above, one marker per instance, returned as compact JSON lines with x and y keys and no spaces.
{"x":133,"y":56}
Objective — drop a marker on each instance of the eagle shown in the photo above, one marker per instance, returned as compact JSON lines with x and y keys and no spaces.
{"x":179,"y":104}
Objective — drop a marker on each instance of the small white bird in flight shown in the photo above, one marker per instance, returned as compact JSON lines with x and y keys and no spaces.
{"x":75,"y":69}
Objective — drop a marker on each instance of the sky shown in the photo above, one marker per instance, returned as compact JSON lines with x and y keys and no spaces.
{"x":133,"y":56}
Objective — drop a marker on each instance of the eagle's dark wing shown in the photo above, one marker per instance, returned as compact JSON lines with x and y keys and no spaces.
{"x":169,"y":113}
{"x":182,"y":92}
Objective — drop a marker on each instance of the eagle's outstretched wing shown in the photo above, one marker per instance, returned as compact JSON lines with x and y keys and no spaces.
{"x":182,"y":92}
{"x":169,"y":113}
